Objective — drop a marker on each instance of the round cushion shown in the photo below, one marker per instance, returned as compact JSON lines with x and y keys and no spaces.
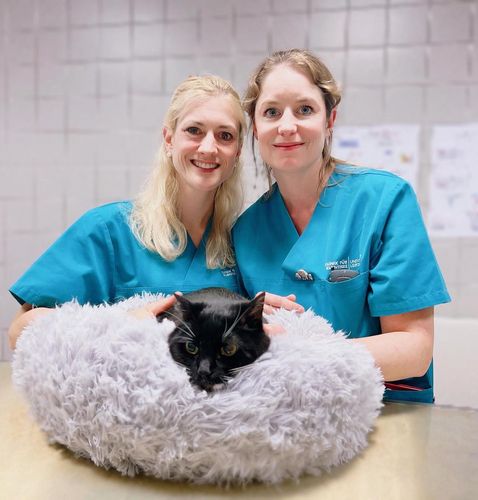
{"x":103,"y":384}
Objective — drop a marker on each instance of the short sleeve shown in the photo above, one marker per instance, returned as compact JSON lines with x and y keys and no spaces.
{"x":404,"y":273}
{"x":79,"y":265}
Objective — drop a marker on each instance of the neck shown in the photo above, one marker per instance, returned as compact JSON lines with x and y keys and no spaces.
{"x":195,"y":210}
{"x":300,"y":194}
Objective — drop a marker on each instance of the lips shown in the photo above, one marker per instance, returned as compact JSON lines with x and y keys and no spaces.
{"x":288,"y":146}
{"x":205,"y":165}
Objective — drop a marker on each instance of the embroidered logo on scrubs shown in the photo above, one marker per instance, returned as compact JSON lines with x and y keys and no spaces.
{"x":228,"y":272}
{"x":347,"y":263}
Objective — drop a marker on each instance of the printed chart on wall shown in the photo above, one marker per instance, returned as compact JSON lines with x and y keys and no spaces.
{"x":454,"y":181}
{"x":390,"y":147}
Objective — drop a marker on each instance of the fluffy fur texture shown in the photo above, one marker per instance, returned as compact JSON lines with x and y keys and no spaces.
{"x":104,"y":384}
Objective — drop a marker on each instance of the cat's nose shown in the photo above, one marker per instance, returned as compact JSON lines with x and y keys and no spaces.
{"x":204,"y":367}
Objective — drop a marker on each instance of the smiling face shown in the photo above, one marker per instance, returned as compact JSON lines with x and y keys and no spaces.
{"x":205,"y":144}
{"x":290,"y":122}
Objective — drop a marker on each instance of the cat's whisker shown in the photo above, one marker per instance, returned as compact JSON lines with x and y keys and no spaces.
{"x":188,"y":334}
{"x":183,"y":338}
{"x":234,"y":323}
{"x":238,"y":318}
{"x":182,"y":322}
{"x":225,"y":329}
{"x":235,"y":371}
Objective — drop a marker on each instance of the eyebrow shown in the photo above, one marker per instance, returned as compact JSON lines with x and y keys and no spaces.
{"x":202,"y":124}
{"x":275,"y":102}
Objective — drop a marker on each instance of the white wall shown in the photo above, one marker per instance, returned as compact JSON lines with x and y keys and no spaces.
{"x":456,"y":373}
{"x":84,"y":84}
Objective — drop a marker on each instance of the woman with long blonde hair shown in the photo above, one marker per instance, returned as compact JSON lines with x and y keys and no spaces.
{"x":174,"y":237}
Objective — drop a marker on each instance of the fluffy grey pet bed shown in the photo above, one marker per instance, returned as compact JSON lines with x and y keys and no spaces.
{"x":103,"y":384}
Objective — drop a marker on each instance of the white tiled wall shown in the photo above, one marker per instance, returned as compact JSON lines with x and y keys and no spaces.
{"x":84,"y":85}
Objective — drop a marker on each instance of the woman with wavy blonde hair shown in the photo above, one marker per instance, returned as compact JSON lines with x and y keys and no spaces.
{"x":176,"y":234}
{"x":349,"y":242}
{"x":156,"y":215}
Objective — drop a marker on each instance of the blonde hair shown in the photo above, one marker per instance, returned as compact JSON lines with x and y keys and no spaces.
{"x":319,"y":74}
{"x":155,"y":218}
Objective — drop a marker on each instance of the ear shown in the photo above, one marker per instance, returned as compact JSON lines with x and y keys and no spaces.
{"x":255,"y":308}
{"x":187,"y":306}
{"x":332,"y":118}
{"x":180,"y":298}
{"x":168,"y":138}
{"x":183,"y":303}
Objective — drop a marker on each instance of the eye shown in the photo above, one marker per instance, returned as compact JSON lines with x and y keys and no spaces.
{"x":271,"y":113}
{"x":306,"y":110}
{"x":193,"y":130}
{"x":229,"y":350}
{"x":191,"y":348}
{"x":226,"y":136}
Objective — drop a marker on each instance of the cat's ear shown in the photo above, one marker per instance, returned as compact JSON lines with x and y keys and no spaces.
{"x":188,"y":306}
{"x":255,"y":308}
{"x":183,"y":302}
{"x":181,"y":299}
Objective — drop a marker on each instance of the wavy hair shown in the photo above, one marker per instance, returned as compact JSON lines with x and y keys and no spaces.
{"x":319,"y":74}
{"x":155,"y":219}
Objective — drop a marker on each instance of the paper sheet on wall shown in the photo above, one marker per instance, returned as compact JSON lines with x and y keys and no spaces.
{"x":454,"y":181}
{"x":389,"y":147}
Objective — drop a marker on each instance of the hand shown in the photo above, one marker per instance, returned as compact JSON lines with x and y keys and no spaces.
{"x":272,"y":329}
{"x":273,"y":302}
{"x":154,"y":308}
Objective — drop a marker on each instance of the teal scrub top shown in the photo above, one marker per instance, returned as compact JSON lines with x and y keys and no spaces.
{"x":98,"y":259}
{"x":366,"y":221}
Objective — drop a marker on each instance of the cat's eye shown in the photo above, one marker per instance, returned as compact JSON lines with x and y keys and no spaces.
{"x":191,"y":348}
{"x":229,"y":350}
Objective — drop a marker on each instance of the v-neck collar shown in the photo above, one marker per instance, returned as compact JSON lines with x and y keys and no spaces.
{"x":303,"y":249}
{"x":326,"y":198}
{"x":202,"y":242}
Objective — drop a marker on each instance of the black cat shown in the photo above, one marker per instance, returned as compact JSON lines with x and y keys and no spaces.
{"x":217,"y":332}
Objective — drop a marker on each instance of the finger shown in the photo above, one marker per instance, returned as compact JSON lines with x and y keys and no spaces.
{"x":279,"y":301}
{"x":268,"y":309}
{"x":162,"y":305}
{"x":292,"y":306}
{"x":272,"y":329}
{"x":273,"y":300}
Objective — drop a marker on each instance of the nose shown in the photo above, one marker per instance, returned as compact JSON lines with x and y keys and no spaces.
{"x":204,"y":367}
{"x":287,"y":124}
{"x":208,"y":144}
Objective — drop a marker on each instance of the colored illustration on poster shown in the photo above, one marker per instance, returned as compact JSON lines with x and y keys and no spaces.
{"x":390,"y":147}
{"x":453,"y":188}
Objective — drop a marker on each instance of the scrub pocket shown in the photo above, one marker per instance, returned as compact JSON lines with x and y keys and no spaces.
{"x":345,"y":302}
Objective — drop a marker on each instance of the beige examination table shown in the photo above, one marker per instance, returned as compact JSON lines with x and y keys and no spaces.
{"x":416,"y":452}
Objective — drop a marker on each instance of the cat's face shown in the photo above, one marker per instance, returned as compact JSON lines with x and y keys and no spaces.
{"x":213,"y":338}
